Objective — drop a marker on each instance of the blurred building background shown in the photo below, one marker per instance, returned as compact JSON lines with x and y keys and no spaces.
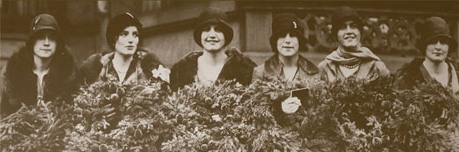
{"x":390,"y":27}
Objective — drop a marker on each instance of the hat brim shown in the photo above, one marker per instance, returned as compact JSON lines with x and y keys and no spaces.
{"x":227,"y":30}
{"x":450,"y":40}
{"x":302,"y":40}
{"x":44,"y":28}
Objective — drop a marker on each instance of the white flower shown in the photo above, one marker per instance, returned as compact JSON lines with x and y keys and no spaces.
{"x":79,"y":127}
{"x":162,"y":73}
{"x":216,"y":118}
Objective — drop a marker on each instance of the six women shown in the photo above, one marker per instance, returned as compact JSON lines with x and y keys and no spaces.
{"x":45,"y":70}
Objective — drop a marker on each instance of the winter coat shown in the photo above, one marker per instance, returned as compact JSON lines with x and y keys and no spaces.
{"x":272,"y":69}
{"x":237,"y":67}
{"x":20,"y":82}
{"x":99,"y":67}
{"x":411,"y":74}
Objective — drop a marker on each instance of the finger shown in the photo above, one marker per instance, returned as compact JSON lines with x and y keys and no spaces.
{"x":111,"y":115}
{"x":289,"y":100}
{"x":298,"y":102}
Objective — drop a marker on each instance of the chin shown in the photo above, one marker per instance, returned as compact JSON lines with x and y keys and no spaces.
{"x":128,"y":53}
{"x":213,"y":49}
{"x":287,"y":54}
{"x":350,"y":47}
{"x":439,"y":60}
{"x":44,"y":56}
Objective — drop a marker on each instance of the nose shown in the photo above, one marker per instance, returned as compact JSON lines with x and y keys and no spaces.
{"x":438,"y":45}
{"x":348,"y":28}
{"x":288,"y":39}
{"x":212,"y":32}
{"x":131,"y":39}
{"x":46,"y":41}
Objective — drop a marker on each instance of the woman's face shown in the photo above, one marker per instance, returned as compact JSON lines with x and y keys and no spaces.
{"x":349,"y":35}
{"x":212,"y":38}
{"x":288,"y":45}
{"x":127,"y":41}
{"x":437,"y":50}
{"x":45,"y":44}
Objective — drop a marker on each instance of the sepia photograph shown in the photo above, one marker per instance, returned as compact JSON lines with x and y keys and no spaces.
{"x":229,"y":75}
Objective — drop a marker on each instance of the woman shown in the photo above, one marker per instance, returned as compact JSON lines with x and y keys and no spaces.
{"x":434,"y":67}
{"x":213,"y":34}
{"x":286,"y":63}
{"x":286,"y":42}
{"x":126,"y":63}
{"x":42,"y":70}
{"x":350,"y":59}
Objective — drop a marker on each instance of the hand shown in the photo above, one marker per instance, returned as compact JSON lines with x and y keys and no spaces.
{"x":110,"y":112}
{"x":290,"y":105}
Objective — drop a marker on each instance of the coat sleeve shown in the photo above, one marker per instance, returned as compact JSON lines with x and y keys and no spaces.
{"x":400,"y":79}
{"x":149,"y":62}
{"x":258,"y":73}
{"x":70,"y":84}
{"x":89,"y":71}
{"x":7,"y":106}
{"x":175,"y":77}
{"x":322,"y":71}
{"x":383,"y":71}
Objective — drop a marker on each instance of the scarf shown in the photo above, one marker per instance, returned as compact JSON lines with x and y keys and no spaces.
{"x":345,"y":57}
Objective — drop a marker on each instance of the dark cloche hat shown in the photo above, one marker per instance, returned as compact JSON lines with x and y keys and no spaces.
{"x":287,"y":23}
{"x":118,"y":24}
{"x":213,"y":16}
{"x":436,"y":28}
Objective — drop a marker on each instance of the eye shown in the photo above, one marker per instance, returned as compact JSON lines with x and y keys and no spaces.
{"x":342,"y":26}
{"x":135,"y":34}
{"x":51,"y":37}
{"x":353,"y":25}
{"x":218,"y":29}
{"x":40,"y":36}
{"x":284,"y":35}
{"x":443,"y":41}
{"x":438,"y":40}
{"x":124,"y":33}
{"x":205,"y":28}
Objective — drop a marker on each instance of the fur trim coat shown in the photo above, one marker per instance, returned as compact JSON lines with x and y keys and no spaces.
{"x":411,"y":75}
{"x":20,"y":82}
{"x":237,"y":67}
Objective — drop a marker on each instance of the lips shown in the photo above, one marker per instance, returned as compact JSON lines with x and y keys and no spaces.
{"x":212,"y":40}
{"x":287,"y":47}
{"x":350,"y":36}
{"x":45,"y":49}
{"x":130,"y":47}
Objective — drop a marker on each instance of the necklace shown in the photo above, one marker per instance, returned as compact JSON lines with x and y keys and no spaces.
{"x":351,"y":66}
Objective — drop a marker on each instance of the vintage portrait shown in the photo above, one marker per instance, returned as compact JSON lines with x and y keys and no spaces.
{"x":229,"y":75}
